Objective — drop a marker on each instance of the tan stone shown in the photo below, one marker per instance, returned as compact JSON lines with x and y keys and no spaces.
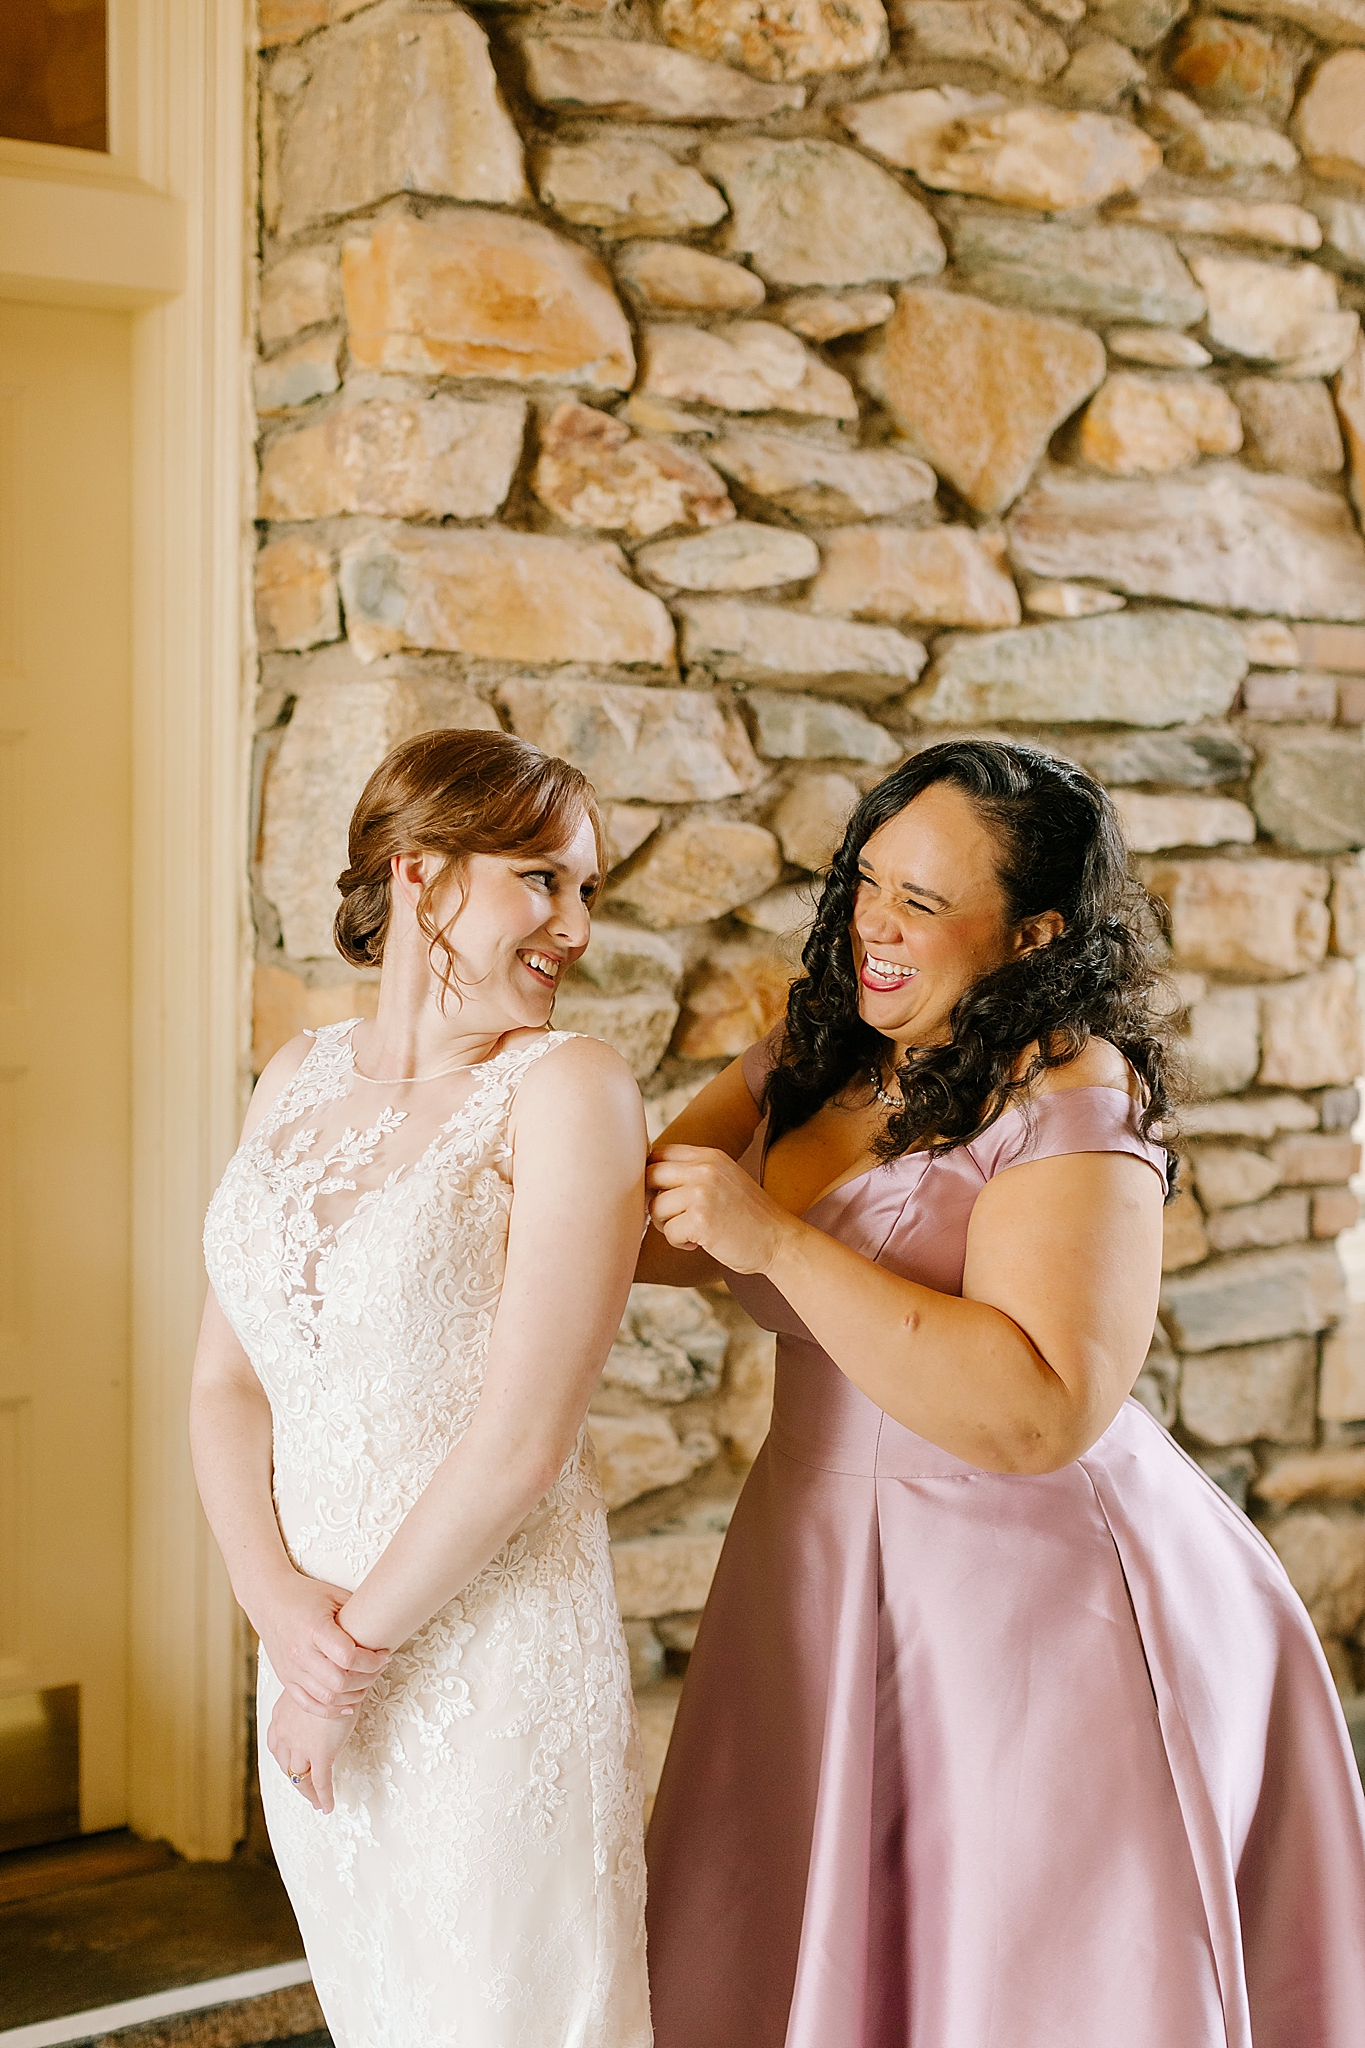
{"x":1325,"y":1560}
{"x":301,"y":290}
{"x":786,"y":911}
{"x":1163,"y":347}
{"x":1343,"y":228}
{"x":1258,"y":1116}
{"x":1269,"y":642}
{"x":642,"y":81}
{"x":1348,"y":912}
{"x":1236,"y":220}
{"x":1331,"y":21}
{"x":670,"y":274}
{"x":1183,"y":1240}
{"x":697,"y":870}
{"x":434,"y":458}
{"x":1025,"y":155}
{"x":744,"y":1411}
{"x":812,"y":212}
{"x":669,"y":1570}
{"x":824,"y":316}
{"x":666,"y":746}
{"x":402,"y":100}
{"x":796,"y":41}
{"x":940,"y":575}
{"x":336,"y":738}
{"x":810,"y":819}
{"x":1315,"y":1158}
{"x":752,"y":643}
{"x":1309,"y":791}
{"x":296,"y":596}
{"x":743,"y":556}
{"x":621,"y":960}
{"x":1351,"y":408}
{"x":1140,"y":23}
{"x":1226,"y":1175}
{"x":283,"y":1005}
{"x":1196,"y":758}
{"x":744,"y":366}
{"x":1255,"y":1226}
{"x":1222,"y":1041}
{"x":1311,"y":1030}
{"x":1271,"y":313}
{"x":1261,"y":1390}
{"x":1329,"y":126}
{"x":625,"y":185}
{"x":592,"y":471}
{"x":670,"y":1347}
{"x":1001,"y":34}
{"x":1225,"y":536}
{"x":1151,"y":823}
{"x":1137,"y":425}
{"x":298,"y":375}
{"x":1149,"y":668}
{"x":1315,"y":1475}
{"x":1258,"y":918}
{"x":1290,"y":697}
{"x":1335,"y":1210}
{"x":823,"y":480}
{"x":1254,"y":1297}
{"x":978,"y":390}
{"x":739,"y":996}
{"x":471,"y":293}
{"x":639,"y":1027}
{"x":1341,"y":1387}
{"x":638,"y":1454}
{"x":1234,"y":67}
{"x":1102,"y":72}
{"x":626,"y":828}
{"x":288,"y":21}
{"x":792,"y":727}
{"x":1222,"y":149}
{"x":517,"y":596}
{"x":1070,"y":601}
{"x":1093,"y":272}
{"x":1336,"y":647}
{"x":1290,"y":424}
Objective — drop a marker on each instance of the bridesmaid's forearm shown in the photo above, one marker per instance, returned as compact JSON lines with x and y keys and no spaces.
{"x":958,"y":1373}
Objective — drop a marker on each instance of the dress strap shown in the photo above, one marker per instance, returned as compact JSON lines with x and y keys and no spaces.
{"x":1063,"y":1121}
{"x":319,"y":1075}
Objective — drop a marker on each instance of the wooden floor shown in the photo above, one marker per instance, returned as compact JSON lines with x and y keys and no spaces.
{"x":98,"y":1921}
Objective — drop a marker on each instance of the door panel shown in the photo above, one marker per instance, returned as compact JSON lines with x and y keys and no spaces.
{"x":64,"y":1053}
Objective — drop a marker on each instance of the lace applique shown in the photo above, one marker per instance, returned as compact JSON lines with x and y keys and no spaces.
{"x":482,"y":1877}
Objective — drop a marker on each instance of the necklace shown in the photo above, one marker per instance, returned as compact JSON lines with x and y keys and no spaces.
{"x":406,"y":1080}
{"x":886,"y":1101}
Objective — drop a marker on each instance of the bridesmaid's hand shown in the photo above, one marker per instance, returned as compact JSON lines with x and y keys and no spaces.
{"x":699,"y":1199}
{"x":305,"y":1748}
{"x":323,"y":1670}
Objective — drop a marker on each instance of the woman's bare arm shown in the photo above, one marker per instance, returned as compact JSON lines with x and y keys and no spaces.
{"x":724,"y":1116}
{"x":578,"y":1205}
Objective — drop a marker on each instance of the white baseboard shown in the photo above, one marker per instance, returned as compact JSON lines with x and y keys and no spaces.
{"x":159,"y":2005}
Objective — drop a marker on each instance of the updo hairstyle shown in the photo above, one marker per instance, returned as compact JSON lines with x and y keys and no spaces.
{"x":454,"y":794}
{"x":1059,"y":846}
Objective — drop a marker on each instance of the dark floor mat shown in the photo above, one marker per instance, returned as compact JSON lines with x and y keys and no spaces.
{"x":75,"y":1950}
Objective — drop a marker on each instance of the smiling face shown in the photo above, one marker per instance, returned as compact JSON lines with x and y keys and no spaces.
{"x":522,"y":923}
{"x":930,"y":917}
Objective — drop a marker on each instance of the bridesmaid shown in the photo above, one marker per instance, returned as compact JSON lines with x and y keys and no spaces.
{"x":1004,"y":1728}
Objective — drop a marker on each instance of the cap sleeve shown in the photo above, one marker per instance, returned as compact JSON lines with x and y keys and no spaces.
{"x":1066,"y":1120}
{"x":758,"y":1062}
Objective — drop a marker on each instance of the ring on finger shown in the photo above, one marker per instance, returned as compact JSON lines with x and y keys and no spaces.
{"x":296,"y":1778}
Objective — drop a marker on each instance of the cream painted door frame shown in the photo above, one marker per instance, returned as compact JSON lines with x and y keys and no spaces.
{"x":159,"y":227}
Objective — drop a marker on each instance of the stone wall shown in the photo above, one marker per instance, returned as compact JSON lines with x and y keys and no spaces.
{"x":735,"y":398}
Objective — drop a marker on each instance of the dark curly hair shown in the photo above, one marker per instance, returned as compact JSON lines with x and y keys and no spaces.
{"x":1059,"y":847}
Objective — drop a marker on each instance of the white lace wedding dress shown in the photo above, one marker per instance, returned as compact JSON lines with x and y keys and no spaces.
{"x":480,"y":1883}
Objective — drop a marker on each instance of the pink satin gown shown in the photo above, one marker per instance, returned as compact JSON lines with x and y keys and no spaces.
{"x":972,"y":1760}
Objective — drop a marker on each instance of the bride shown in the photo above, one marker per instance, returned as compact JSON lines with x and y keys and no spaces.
{"x":418,"y":1257}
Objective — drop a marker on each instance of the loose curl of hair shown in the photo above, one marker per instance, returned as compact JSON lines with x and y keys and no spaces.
{"x":452,"y":793}
{"x":1059,"y":846}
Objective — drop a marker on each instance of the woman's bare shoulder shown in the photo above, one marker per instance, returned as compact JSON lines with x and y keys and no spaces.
{"x":1099,"y":1065}
{"x":576,"y":1069}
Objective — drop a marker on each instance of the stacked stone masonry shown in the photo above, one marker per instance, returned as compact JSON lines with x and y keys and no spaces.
{"x":736,"y":399}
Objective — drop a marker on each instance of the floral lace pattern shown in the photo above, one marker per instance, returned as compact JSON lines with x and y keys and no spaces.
{"x":480,"y":1882}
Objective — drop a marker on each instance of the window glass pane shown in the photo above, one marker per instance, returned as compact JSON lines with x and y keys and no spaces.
{"x":52,"y":72}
